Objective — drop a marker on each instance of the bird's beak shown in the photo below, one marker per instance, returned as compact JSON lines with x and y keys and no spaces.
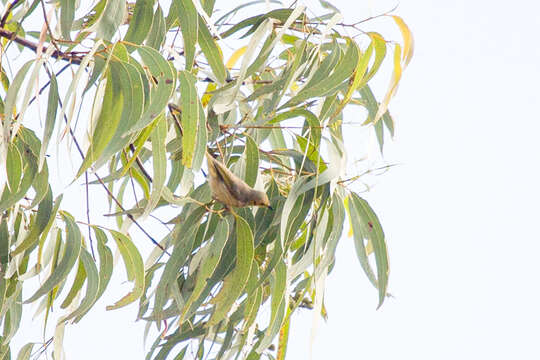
{"x":271,"y":208}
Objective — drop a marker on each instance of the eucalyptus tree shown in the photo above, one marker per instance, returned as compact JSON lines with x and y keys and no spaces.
{"x":138,"y":93}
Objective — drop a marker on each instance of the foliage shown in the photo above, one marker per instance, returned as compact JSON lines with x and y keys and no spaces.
{"x":142,"y":110}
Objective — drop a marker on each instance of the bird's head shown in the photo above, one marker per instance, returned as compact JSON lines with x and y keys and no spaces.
{"x":260,"y":199}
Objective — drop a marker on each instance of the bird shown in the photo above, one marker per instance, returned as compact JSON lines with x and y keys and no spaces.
{"x":229,"y":189}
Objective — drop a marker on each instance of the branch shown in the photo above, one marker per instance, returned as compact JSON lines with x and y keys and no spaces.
{"x":57,"y":54}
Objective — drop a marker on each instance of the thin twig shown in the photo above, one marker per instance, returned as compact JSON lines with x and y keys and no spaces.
{"x":356,"y":177}
{"x":376,"y":16}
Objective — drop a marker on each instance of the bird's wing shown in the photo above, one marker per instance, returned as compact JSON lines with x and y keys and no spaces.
{"x":237,"y":187}
{"x":213,"y":167}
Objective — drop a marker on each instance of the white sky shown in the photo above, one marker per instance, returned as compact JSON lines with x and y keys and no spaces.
{"x":460,"y":212}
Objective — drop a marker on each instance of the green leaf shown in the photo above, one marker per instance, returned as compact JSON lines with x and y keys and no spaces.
{"x":201,"y":142}
{"x":326,"y":85}
{"x":162,"y":82}
{"x":111,"y":18}
{"x":13,"y":93}
{"x":52,"y":107}
{"x":185,"y":238}
{"x":108,"y":120}
{"x":372,"y":107}
{"x":212,"y":52}
{"x":252,"y":161}
{"x":78,"y":283}
{"x":140,"y":23}
{"x":309,"y":151}
{"x":278,"y":305}
{"x":4,"y":251}
{"x":131,"y":87}
{"x":14,"y":164}
{"x":190,"y":116}
{"x":159,"y":161}
{"x":105,"y":268}
{"x":156,"y":36}
{"x":358,"y":80}
{"x":71,"y":253}
{"x":234,"y":283}
{"x":313,"y":123}
{"x":189,"y":24}
{"x":13,"y":316}
{"x":9,"y":198}
{"x":67,"y":14}
{"x":92,"y":286}
{"x":44,"y":215}
{"x":134,"y":268}
{"x":212,"y":255}
{"x":255,"y":21}
{"x":366,"y":227}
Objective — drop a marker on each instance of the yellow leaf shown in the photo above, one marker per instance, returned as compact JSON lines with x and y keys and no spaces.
{"x":396,"y":76}
{"x":235,"y":56}
{"x":346,"y":203}
{"x":408,"y":41}
{"x":205,"y":99}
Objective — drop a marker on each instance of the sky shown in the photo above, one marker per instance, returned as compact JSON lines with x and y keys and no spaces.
{"x":460,"y":210}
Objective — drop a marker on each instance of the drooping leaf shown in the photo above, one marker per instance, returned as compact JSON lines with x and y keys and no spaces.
{"x":52,"y":106}
{"x":134,"y":268}
{"x":111,"y":18}
{"x":278,"y":306}
{"x":157,"y":33}
{"x":189,"y":24}
{"x":342,"y":71}
{"x":67,"y":14}
{"x":212,"y":52}
{"x":70,"y":255}
{"x":408,"y":41}
{"x":190,"y":116}
{"x":107,"y":123}
{"x":92,"y":286}
{"x":162,"y":82}
{"x":140,"y":22}
{"x":252,"y":162}
{"x":392,"y":87}
{"x":159,"y":164}
{"x":14,"y":166}
{"x":366,"y":227}
{"x":235,"y":282}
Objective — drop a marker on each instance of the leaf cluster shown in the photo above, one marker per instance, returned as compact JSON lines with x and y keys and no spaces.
{"x":153,"y":107}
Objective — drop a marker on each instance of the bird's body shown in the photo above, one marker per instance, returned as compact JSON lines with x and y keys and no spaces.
{"x":229,"y":189}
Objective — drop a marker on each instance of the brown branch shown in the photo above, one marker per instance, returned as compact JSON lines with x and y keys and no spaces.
{"x":70,"y":56}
